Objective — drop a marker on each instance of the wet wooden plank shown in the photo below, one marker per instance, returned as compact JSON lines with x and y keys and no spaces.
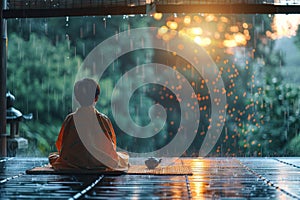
{"x":141,"y":187}
{"x":243,"y":178}
{"x":227,"y":178}
{"x":283,"y":176}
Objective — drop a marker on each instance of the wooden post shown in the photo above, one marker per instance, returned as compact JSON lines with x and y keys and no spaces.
{"x":3,"y":49}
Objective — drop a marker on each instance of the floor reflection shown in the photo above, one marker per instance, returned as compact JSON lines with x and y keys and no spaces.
{"x":213,"y":178}
{"x":222,"y":178}
{"x":141,"y":187}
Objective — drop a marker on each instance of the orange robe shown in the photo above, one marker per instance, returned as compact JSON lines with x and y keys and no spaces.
{"x":83,"y":144}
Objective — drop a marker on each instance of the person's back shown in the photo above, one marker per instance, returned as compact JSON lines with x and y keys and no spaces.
{"x":87,"y":139}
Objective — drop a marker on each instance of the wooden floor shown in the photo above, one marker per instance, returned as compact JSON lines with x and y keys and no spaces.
{"x":213,"y":178}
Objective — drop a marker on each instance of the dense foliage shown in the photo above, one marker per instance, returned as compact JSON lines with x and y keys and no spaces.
{"x":44,"y":56}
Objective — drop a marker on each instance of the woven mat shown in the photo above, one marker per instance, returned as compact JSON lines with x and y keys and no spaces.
{"x":133,"y":170}
{"x":160,"y":170}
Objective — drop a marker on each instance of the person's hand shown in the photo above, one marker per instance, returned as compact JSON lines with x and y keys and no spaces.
{"x":53,"y":157}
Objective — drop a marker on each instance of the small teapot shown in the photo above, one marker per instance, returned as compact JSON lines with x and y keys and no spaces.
{"x":152,"y":162}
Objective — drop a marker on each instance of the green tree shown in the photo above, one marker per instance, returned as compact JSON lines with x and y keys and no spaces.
{"x":57,"y":44}
{"x":41,"y":77}
{"x":275,"y":127}
{"x":278,"y":119}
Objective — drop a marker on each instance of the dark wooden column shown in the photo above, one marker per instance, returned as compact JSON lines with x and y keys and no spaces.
{"x":3,"y":49}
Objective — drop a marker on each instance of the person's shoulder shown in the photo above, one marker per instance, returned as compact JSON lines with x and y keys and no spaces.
{"x":99,"y":114}
{"x":69,"y":117}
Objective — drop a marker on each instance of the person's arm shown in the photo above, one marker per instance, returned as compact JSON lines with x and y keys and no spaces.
{"x":113,"y":134}
{"x":123,"y":158}
{"x":59,"y":139}
{"x":60,"y":136}
{"x":107,"y":128}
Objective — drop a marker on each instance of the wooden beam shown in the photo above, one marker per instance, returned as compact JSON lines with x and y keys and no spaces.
{"x":230,"y":9}
{"x":61,"y":12}
{"x":240,"y":8}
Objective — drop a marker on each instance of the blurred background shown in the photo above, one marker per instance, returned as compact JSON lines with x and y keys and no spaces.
{"x":257,"y":57}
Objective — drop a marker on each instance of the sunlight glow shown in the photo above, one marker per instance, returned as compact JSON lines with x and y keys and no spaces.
{"x":187,"y":20}
{"x":240,"y":38}
{"x":284,"y":26}
{"x":172,"y":25}
{"x":162,"y":30}
{"x":192,"y":26}
{"x":202,"y":41}
{"x":195,"y":31}
{"x":200,"y":186}
{"x":229,"y":43}
{"x":157,"y":16}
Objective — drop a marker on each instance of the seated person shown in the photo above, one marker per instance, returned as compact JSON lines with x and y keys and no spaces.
{"x":87,"y":139}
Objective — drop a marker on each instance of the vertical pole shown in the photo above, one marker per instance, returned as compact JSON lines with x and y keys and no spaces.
{"x":3,"y":49}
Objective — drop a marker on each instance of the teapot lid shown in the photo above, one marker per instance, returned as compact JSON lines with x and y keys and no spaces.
{"x":152,"y":158}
